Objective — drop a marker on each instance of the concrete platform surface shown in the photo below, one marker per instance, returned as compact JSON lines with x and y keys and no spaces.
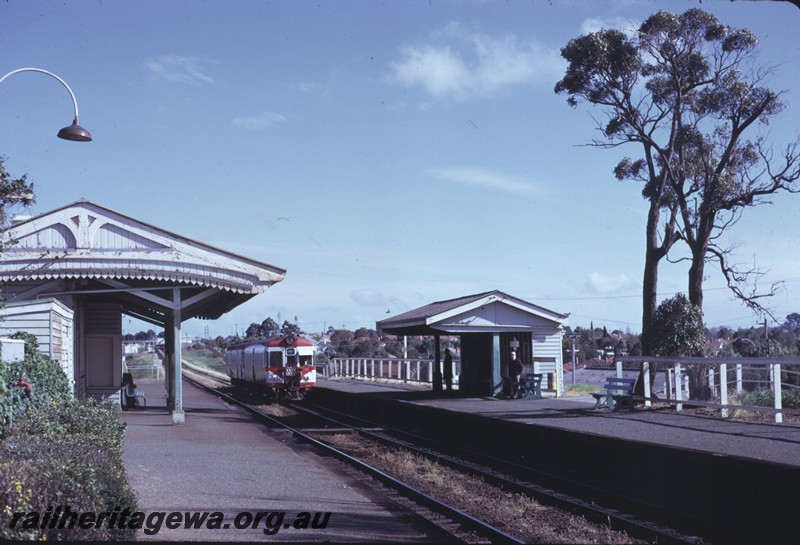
{"x":221,"y":461}
{"x":763,"y":441}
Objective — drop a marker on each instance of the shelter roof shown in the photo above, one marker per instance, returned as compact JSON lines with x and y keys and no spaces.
{"x":487,"y":311}
{"x":90,"y":243}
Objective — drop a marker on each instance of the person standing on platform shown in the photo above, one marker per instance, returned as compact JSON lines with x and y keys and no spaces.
{"x":514,"y":374}
{"x":448,"y":370}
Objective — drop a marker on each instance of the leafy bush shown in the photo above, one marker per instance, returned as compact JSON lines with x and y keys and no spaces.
{"x":48,"y":381}
{"x":68,"y":454}
{"x":765,"y":397}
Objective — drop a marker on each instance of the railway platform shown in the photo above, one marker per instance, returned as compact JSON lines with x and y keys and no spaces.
{"x":757,"y":441}
{"x":221,"y":461}
{"x":725,"y":480}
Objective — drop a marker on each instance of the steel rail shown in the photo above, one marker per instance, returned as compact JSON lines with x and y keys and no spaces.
{"x":452,"y":456}
{"x":495,"y":535}
{"x":589,"y":509}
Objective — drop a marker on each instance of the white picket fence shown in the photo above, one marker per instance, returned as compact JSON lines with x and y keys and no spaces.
{"x":727,"y":379}
{"x":419,"y":371}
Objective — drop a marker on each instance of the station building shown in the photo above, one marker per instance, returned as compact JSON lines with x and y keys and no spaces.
{"x":69,"y":275}
{"x":490,"y":326}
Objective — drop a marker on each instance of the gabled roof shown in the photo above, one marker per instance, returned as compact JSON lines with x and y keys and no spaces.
{"x":126,"y":261}
{"x":469,"y":313}
{"x":86,"y":240}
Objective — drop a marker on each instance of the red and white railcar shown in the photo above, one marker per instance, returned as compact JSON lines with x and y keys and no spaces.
{"x":283,"y":366}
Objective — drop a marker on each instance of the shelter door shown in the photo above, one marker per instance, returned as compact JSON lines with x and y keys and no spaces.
{"x":103,"y":363}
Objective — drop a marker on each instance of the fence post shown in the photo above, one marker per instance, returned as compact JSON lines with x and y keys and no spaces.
{"x":408,"y":371}
{"x":646,"y":377}
{"x":678,"y":388}
{"x":723,"y":389}
{"x":668,"y":383}
{"x":419,"y":377}
{"x":776,"y":388}
{"x":711,"y":383}
{"x":619,"y":369}
{"x":430,"y":371}
{"x":739,"y":378}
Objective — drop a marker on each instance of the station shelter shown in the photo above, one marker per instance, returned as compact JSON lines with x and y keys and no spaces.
{"x":490,"y":326}
{"x":94,"y":265}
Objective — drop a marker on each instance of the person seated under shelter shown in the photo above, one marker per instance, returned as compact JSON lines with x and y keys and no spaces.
{"x":130,"y":397}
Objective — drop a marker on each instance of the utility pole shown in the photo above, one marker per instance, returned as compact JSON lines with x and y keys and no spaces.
{"x":572,"y":337}
{"x":766,"y":335}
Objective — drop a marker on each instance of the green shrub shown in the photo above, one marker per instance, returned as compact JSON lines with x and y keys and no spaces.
{"x":46,"y":377}
{"x":65,"y":454}
{"x":765,"y":397}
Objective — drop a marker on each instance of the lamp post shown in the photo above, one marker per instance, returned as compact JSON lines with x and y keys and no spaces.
{"x":572,"y":338}
{"x":405,"y":337}
{"x":73,"y":132}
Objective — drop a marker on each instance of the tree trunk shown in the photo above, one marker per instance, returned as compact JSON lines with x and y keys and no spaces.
{"x":653,"y":254}
{"x":699,"y":247}
{"x":696,"y":272}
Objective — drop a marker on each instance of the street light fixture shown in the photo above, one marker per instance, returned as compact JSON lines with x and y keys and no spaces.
{"x":74,"y":132}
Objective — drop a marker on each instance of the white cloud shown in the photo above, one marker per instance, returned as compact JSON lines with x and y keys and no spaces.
{"x":181,"y":69}
{"x":368,"y":298}
{"x":596,"y":24}
{"x":259,"y":122}
{"x":466,"y":64}
{"x":489,"y":180}
{"x":602,"y":283}
{"x":307,"y":86}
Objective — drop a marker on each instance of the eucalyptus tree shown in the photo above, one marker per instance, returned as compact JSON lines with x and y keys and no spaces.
{"x":13,"y":191}
{"x":683,"y":89}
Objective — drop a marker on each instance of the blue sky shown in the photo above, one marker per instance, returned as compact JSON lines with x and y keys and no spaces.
{"x":387,"y":154}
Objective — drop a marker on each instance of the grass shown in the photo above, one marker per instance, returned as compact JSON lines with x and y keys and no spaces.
{"x":203,"y":357}
{"x":515,"y":513}
{"x":579,"y":390}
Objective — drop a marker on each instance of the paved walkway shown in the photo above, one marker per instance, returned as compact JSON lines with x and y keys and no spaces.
{"x":221,"y":461}
{"x":770,"y":442}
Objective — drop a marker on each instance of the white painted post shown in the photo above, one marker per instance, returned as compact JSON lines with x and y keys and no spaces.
{"x":372,"y":371}
{"x":668,"y":383}
{"x":430,"y":372}
{"x":738,"y":378}
{"x":419,"y":377}
{"x":408,"y":371}
{"x":776,"y":388}
{"x":711,"y":382}
{"x":646,"y":377}
{"x":678,"y":388}
{"x":619,"y":369}
{"x":723,"y":389}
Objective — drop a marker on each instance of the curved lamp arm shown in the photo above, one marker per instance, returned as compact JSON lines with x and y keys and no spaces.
{"x":74,"y":132}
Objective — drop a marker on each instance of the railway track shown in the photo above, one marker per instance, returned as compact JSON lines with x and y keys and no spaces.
{"x":507,"y":475}
{"x":510,"y":477}
{"x":466,"y":522}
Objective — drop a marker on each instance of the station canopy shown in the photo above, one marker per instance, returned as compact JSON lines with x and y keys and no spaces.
{"x":491,"y":311}
{"x":87,"y":249}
